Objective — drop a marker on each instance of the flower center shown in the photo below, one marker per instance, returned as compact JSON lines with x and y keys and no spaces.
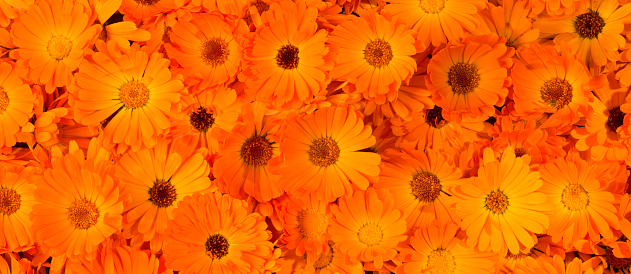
{"x":260,"y":7}
{"x":59,"y":47}
{"x":9,"y":201}
{"x":432,"y":6}
{"x":324,"y":152}
{"x":370,"y":234}
{"x":615,"y":262}
{"x":324,"y":260}
{"x":217,"y":246}
{"x":4,"y":100}
{"x":615,"y":120}
{"x":147,"y":2}
{"x":287,"y":57}
{"x":134,"y":94}
{"x":496,"y":201}
{"x":425,"y":187}
{"x":520,"y":151}
{"x":463,"y":78}
{"x":202,"y":119}
{"x":518,"y":256}
{"x":256,"y":151}
{"x":215,"y":51}
{"x":589,"y":25}
{"x":557,"y":93}
{"x":441,"y":261}
{"x":162,"y":194}
{"x":83,"y":214}
{"x":312,"y":223}
{"x":434,"y":117}
{"x":574,"y":197}
{"x":378,"y":53}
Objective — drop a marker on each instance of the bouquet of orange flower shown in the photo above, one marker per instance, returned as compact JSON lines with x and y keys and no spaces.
{"x":315,"y":136}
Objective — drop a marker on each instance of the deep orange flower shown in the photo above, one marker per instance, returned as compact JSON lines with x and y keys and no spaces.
{"x":556,"y":8}
{"x":121,"y":32}
{"x":144,"y":9}
{"x":114,"y":256}
{"x":17,"y":197}
{"x":305,"y":223}
{"x":510,"y":20}
{"x":16,"y":104}
{"x":332,"y":262}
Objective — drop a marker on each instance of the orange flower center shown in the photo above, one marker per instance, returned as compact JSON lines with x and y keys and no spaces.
{"x":256,"y":151}
{"x":202,"y":119}
{"x":441,"y":261}
{"x":324,"y":260}
{"x":83,"y":214}
{"x":615,"y":262}
{"x":370,"y":234}
{"x":147,"y":2}
{"x":463,"y":78}
{"x":312,"y":223}
{"x":496,"y":201}
{"x":217,"y":246}
{"x":589,"y":25}
{"x":215,"y":51}
{"x":425,"y":187}
{"x":574,"y":197}
{"x":324,"y":152}
{"x":287,"y":57}
{"x":520,"y":152}
{"x":4,"y":100}
{"x":162,"y":194}
{"x":615,"y":120}
{"x":9,"y":201}
{"x":432,"y":6}
{"x":434,"y":117}
{"x":378,"y":53}
{"x":557,"y":93}
{"x":134,"y":94}
{"x":59,"y":47}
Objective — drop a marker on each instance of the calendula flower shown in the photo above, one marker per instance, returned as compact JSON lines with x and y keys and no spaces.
{"x":17,"y":197}
{"x":16,"y":104}
{"x":115,"y":256}
{"x":510,"y":20}
{"x":123,"y":31}
{"x":144,"y":9}
{"x":305,"y":223}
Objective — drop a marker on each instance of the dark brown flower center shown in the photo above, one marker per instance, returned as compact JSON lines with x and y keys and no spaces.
{"x":9,"y":201}
{"x":256,"y":151}
{"x":260,"y":7}
{"x":217,"y":246}
{"x":520,"y":151}
{"x":162,"y":194}
{"x":463,"y":78}
{"x":215,"y":51}
{"x":557,"y":93}
{"x":83,"y":214}
{"x":324,"y":152}
{"x":615,"y":120}
{"x":589,"y":25}
{"x":287,"y":57}
{"x":496,"y":201}
{"x":378,"y":53}
{"x":425,"y":187}
{"x":4,"y":100}
{"x":324,"y":260}
{"x":202,"y":119}
{"x":434,"y":117}
{"x":147,"y":2}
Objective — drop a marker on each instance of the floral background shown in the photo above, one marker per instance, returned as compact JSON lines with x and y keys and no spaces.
{"x":311,"y":136}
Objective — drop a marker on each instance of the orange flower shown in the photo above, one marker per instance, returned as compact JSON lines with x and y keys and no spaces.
{"x":51,"y":40}
{"x":367,"y":226}
{"x":207,"y":47}
{"x":375,"y":54}
{"x":114,"y":256}
{"x":418,"y":181}
{"x":509,"y":20}
{"x":305,"y":223}
{"x":502,"y":207}
{"x":156,"y":180}
{"x":144,"y":9}
{"x":437,"y":21}
{"x":556,"y":8}
{"x":16,"y":104}
{"x":130,"y":93}
{"x":286,"y":66}
{"x":17,"y":197}
{"x":78,"y":204}
{"x":331,"y":262}
{"x":121,"y":32}
{"x":438,"y":248}
{"x":593,"y":33}
{"x":213,"y":233}
{"x":322,"y":154}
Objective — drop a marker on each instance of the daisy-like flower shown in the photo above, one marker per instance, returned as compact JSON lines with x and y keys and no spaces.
{"x":114,"y":256}
{"x":438,"y":249}
{"x":437,"y":21}
{"x":156,"y":179}
{"x":208,"y":117}
{"x":367,"y":226}
{"x":375,"y":54}
{"x":145,"y":9}
{"x":580,"y":202}
{"x":213,"y":233}
{"x":556,"y":8}
{"x":556,"y":265}
{"x":122,"y":31}
{"x":286,"y":66}
{"x":501,"y":207}
{"x":207,"y":47}
{"x":322,"y":154}
{"x":51,"y":40}
{"x":601,"y":133}
{"x":305,"y":223}
{"x":16,"y":104}
{"x":418,"y":181}
{"x":333,"y":261}
{"x":249,"y":155}
{"x":546,"y":82}
{"x":227,"y":7}
{"x":510,"y":20}
{"x":468,"y":79}
{"x":78,"y":204}
{"x":17,"y":197}
{"x":130,"y":93}
{"x":593,"y":34}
